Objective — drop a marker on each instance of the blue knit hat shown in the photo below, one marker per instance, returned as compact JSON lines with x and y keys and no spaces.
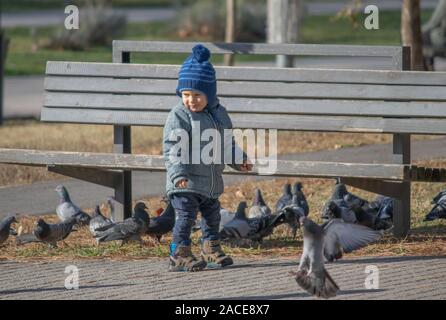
{"x":198,"y":74}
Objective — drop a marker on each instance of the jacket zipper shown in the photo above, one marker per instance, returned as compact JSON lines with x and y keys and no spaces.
{"x":212,"y":164}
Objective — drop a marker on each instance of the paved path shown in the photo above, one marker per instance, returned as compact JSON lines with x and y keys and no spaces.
{"x":259,"y":279}
{"x":57,"y":16}
{"x":40,"y":198}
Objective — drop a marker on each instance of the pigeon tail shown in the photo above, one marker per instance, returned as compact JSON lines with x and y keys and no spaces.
{"x":323,"y":286}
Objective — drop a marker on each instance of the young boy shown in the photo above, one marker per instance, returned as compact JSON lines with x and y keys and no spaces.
{"x":195,"y":187}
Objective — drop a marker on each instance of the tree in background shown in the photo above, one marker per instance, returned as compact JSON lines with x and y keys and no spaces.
{"x":283,"y":24}
{"x":230,"y":30}
{"x":411,"y":32}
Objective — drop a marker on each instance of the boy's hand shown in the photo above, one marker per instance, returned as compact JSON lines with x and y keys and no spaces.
{"x":182,"y":184}
{"x":246,"y":166}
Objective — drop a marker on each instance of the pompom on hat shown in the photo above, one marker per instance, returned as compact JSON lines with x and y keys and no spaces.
{"x":198,"y":74}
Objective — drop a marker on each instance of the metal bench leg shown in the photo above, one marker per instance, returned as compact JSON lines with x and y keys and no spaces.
{"x":401,"y":210}
{"x":123,"y":187}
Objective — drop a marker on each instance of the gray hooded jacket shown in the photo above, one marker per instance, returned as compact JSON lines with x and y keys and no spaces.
{"x":204,"y":178}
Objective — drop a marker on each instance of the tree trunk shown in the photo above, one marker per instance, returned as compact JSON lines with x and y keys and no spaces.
{"x":411,"y":32}
{"x":230,"y":30}
{"x":283,"y":20}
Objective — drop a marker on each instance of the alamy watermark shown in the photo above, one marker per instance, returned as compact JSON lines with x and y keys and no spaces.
{"x":72,"y":20}
{"x":372,"y":279}
{"x":371,"y":22}
{"x":72,"y":280}
{"x":208,"y":147}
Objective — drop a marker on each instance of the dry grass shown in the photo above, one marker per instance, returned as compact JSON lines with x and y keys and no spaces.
{"x":426,"y":238}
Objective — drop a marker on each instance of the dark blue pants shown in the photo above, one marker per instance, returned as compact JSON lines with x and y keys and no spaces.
{"x":186,"y":206}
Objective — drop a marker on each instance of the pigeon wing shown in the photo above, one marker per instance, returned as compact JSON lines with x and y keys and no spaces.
{"x":350,"y":236}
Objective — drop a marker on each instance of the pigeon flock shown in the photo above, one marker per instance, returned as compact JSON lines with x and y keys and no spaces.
{"x":349,"y":223}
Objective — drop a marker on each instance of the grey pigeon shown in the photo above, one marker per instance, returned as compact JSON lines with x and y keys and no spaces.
{"x":67,"y":209}
{"x":311,"y":274}
{"x":301,"y":199}
{"x":97,"y":221}
{"x":5,"y":228}
{"x":259,"y":207}
{"x":341,"y":192}
{"x":384,"y":206}
{"x":225,"y":217}
{"x":295,"y":208}
{"x":255,"y":229}
{"x":49,"y":233}
{"x":338,"y":209}
{"x":163,"y":224}
{"x":346,"y":237}
{"x":438,"y":211}
{"x":286,"y":197}
{"x":130,"y":229}
{"x":238,"y":227}
{"x":370,"y":218}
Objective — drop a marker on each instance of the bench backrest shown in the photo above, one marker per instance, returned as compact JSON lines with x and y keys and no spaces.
{"x":280,"y":98}
{"x":389,"y":57}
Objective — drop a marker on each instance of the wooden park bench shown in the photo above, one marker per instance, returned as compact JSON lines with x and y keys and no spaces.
{"x":330,"y":100}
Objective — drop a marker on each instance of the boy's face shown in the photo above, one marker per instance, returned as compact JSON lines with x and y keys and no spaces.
{"x":194,"y":100}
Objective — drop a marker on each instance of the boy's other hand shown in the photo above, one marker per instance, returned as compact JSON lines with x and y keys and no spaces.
{"x":246,"y":166}
{"x":182,"y":184}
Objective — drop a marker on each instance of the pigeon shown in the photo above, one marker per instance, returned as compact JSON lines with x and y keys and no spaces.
{"x":67,"y":209}
{"x":311,"y":274}
{"x":49,"y":233}
{"x":238,"y":227}
{"x":301,"y":200}
{"x":438,"y":211}
{"x":286,"y":197}
{"x":130,"y":229}
{"x":162,"y":224}
{"x":255,"y":229}
{"x":341,"y":192}
{"x":97,"y":221}
{"x":225,"y":217}
{"x":5,"y":228}
{"x":259,"y":207}
{"x":384,"y":207}
{"x":338,"y":209}
{"x":296,"y":208}
{"x":346,"y":237}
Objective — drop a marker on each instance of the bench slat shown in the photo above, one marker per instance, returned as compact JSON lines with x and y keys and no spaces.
{"x":248,"y":73}
{"x":285,"y":168}
{"x":144,"y":102}
{"x":250,"y":89}
{"x":256,"y":121}
{"x":259,"y":48}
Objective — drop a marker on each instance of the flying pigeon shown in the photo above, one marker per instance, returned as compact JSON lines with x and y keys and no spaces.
{"x":259,"y":207}
{"x":311,"y":274}
{"x":346,"y":237}
{"x":67,"y":209}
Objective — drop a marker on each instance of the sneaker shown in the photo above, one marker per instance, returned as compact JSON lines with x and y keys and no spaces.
{"x":183,"y":260}
{"x":211,"y":252}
